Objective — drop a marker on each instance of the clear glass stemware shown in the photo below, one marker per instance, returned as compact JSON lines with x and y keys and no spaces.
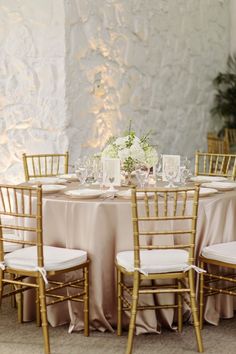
{"x":82,"y":174}
{"x":142,"y":172}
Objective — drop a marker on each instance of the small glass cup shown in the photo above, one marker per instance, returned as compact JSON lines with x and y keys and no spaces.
{"x":171,"y":173}
{"x":142,"y":172}
{"x":82,"y":174}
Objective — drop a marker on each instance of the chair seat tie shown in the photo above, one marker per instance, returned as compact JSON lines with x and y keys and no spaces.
{"x":2,"y":266}
{"x":43,"y":272}
{"x":194,"y":267}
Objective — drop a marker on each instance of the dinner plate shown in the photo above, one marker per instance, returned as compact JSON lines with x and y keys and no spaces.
{"x":47,"y":180}
{"x":127,"y":194}
{"x":69,"y":177}
{"x":52,"y":188}
{"x":85,"y":193}
{"x":203,"y":179}
{"x":203,"y":192}
{"x":220,"y":186}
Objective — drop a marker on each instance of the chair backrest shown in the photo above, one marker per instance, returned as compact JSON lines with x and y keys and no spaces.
{"x":45,"y":165}
{"x":164,"y":219}
{"x":217,"y":145}
{"x":24,"y":206}
{"x":230,"y":136}
{"x":207,"y":164}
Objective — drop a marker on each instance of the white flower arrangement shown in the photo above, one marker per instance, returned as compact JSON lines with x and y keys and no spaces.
{"x":131,"y":150}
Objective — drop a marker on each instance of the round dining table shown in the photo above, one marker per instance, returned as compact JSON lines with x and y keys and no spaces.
{"x":102,"y":226}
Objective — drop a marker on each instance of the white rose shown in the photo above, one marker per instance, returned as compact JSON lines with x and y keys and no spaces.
{"x":137,"y":153}
{"x":121,"y":142}
{"x":124,"y":154}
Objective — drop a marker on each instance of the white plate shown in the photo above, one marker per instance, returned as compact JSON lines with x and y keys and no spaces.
{"x":85,"y":193}
{"x":68,"y":176}
{"x":52,"y":188}
{"x":202,"y":179}
{"x":47,"y":180}
{"x":127,"y":194}
{"x":203,"y":192}
{"x":220,"y":186}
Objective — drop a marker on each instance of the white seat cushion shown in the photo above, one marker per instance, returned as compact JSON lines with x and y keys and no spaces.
{"x":155,"y":261}
{"x":55,"y":258}
{"x":9,"y":246}
{"x":223,"y":252}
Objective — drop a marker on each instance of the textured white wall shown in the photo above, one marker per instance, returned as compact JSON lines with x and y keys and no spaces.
{"x":74,"y":72}
{"x":232,"y":26}
{"x":155,"y":61}
{"x":32,"y":81}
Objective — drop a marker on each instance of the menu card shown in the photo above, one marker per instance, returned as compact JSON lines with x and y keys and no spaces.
{"x":111,"y":171}
{"x":171,"y":168}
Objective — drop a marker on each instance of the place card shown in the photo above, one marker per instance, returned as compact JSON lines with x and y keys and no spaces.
{"x":111,"y":171}
{"x":171,"y":168}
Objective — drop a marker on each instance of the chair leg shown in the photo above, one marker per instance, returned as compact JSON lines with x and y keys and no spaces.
{"x":201,"y":296}
{"x":180,"y":308}
{"x":20,"y":306}
{"x":37,"y":304}
{"x":1,"y":285}
{"x":119,"y":302}
{"x":194,"y":310}
{"x":43,"y":310}
{"x":135,"y":295}
{"x":86,"y":301}
{"x":13,"y":297}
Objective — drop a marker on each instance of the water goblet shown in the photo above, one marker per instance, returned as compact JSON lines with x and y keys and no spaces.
{"x":142,"y":172}
{"x":171,"y":173}
{"x":184,"y":174}
{"x":82,"y":174}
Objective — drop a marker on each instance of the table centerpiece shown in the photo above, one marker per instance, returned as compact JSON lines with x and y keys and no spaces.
{"x":131,"y":150}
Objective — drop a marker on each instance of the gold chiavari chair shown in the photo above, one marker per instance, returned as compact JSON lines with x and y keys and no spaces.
{"x":219,"y":261}
{"x":230,"y":137}
{"x":45,"y":165}
{"x":171,"y":215}
{"x":217,"y":145}
{"x":208,"y":164}
{"x":37,"y":261}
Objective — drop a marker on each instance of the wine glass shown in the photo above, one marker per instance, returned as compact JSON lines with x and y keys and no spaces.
{"x":82,"y":174}
{"x":171,"y":172}
{"x":142,"y":172}
{"x":184,"y":174}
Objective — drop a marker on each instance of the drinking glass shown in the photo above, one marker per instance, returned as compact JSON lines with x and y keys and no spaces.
{"x":184,"y":174}
{"x":82,"y":174}
{"x":142,"y":172}
{"x":171,"y":173}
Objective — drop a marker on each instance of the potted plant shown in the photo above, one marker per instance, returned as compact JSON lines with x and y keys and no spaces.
{"x":224,"y":105}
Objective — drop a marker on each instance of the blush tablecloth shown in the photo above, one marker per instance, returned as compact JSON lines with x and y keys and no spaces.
{"x":103,"y":227}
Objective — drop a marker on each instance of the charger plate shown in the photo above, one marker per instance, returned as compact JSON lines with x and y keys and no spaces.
{"x":85,"y":193}
{"x":127,"y":194}
{"x":47,"y":180}
{"x":203,"y":179}
{"x":52,"y":188}
{"x":68,"y":177}
{"x":220,"y":186}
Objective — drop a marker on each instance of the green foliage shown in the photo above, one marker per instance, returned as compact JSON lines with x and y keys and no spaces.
{"x":225,"y":98}
{"x":129,"y":164}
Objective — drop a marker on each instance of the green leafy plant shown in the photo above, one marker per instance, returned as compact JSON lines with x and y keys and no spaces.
{"x":224,"y":105}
